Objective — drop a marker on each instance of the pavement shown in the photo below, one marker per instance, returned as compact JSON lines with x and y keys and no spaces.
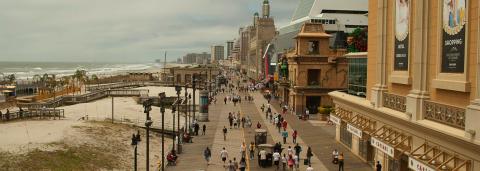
{"x":319,"y":136}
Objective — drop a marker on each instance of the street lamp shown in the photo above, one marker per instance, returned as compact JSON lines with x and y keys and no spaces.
{"x":194,"y":82}
{"x":162,"y":110}
{"x":147,"y":105}
{"x":178,"y":89}
{"x":303,"y":106}
{"x":135,"y":140}
{"x":186,"y":110}
{"x":189,"y":116}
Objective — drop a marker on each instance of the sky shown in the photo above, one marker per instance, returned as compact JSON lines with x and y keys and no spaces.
{"x":123,"y":30}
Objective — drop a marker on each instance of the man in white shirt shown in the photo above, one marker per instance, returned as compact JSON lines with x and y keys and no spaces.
{"x":276,"y":159}
{"x":297,"y":162}
{"x":309,"y":168}
{"x":263,"y":157}
{"x":224,"y":155}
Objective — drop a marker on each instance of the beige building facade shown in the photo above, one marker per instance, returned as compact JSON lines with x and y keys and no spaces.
{"x":422,"y":108}
{"x":314,"y":70}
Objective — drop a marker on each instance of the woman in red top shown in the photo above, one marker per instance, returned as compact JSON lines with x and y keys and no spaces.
{"x":284,"y":124}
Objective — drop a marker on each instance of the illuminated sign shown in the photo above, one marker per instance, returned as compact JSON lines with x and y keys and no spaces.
{"x":335,"y":119}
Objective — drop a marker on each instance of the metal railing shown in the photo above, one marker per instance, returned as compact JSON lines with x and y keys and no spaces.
{"x":32,"y":113}
{"x":395,"y":102}
{"x":446,"y":114}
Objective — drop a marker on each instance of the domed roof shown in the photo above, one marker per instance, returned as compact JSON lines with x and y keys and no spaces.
{"x":256,"y":14}
{"x":265,"y":1}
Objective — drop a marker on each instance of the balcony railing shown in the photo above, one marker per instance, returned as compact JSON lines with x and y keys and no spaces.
{"x":446,"y":114}
{"x":394,"y":102}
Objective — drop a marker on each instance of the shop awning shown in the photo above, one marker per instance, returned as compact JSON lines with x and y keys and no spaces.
{"x":343,"y":113}
{"x":431,"y":157}
{"x":391,"y":140}
{"x":363,"y":123}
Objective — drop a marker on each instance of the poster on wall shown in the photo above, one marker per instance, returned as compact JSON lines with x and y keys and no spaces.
{"x":402,"y":20}
{"x":454,"y":25}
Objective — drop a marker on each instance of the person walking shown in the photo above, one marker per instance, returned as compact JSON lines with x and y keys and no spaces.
{"x":296,"y":159}
{"x":335,"y":156}
{"x":252,"y":150}
{"x":284,"y":124}
{"x":235,"y":163}
{"x":263,"y":157}
{"x":297,"y":149}
{"x":207,"y":154}
{"x":224,"y":156}
{"x":259,"y":125}
{"x":284,"y":135}
{"x":309,"y":155}
{"x":276,"y":159}
{"x":340,"y":162}
{"x":242,"y":164}
{"x":379,"y":166}
{"x":225,"y":100}
{"x":204,"y":128}
{"x":290,"y":163}
{"x":224,"y":133}
{"x":294,"y":136}
{"x":230,"y":166}
{"x":284,"y":162}
{"x":289,"y":151}
{"x":243,"y":149}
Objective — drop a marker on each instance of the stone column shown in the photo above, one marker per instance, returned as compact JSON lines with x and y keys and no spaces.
{"x":419,"y":49}
{"x":472,"y":114}
{"x":380,"y":86}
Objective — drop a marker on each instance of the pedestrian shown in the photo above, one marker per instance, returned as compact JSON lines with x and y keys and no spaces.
{"x":294,"y":136}
{"x":379,"y":166}
{"x":259,"y":125}
{"x":224,"y":155}
{"x":252,"y":150}
{"x":225,"y":100}
{"x":203,"y":129}
{"x":276,"y":159}
{"x":284,"y":135}
{"x":207,"y":154}
{"x":284,"y":124}
{"x":296,"y":159}
{"x":290,"y":163}
{"x":309,"y":168}
{"x":284,"y":162}
{"x":279,"y":125}
{"x":243,"y":122}
{"x":230,"y":166}
{"x":263,"y":107}
{"x":197,"y":127}
{"x":263,"y":157}
{"x":224,"y":133}
{"x":235,"y":163}
{"x":243,"y":149}
{"x":289,"y":151}
{"x":297,"y":149}
{"x":234,"y":122}
{"x":335,"y":156}
{"x":242,"y":164}
{"x":309,"y":155}
{"x":340,"y":162}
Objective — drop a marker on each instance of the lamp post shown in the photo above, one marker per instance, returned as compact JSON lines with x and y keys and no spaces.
{"x":189,"y":115}
{"x":148,"y":122}
{"x":135,"y":140}
{"x":186,"y":110}
{"x":303,"y":106}
{"x":194,"y":82}
{"x":178,"y":89}
{"x":162,"y":110}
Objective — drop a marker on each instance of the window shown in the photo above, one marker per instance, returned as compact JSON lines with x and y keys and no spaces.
{"x":345,"y":136}
{"x":357,"y":76}
{"x":313,"y":77}
{"x":313,"y":47}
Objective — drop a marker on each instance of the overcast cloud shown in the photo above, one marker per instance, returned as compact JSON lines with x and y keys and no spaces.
{"x":123,"y":30}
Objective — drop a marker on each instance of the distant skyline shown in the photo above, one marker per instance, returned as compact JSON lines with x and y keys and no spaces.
{"x":123,"y":30}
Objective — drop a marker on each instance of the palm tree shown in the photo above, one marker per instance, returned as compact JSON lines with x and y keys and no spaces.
{"x":11,"y":78}
{"x":80,"y":76}
{"x":94,"y":78}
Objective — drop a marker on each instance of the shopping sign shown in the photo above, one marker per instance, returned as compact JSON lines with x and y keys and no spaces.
{"x":335,"y":119}
{"x":387,"y":149}
{"x":415,"y":165}
{"x":355,"y":131}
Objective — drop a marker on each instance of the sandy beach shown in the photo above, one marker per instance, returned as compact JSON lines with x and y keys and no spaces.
{"x":25,"y":136}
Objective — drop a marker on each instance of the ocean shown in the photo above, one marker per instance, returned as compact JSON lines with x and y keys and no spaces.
{"x":26,"y":70}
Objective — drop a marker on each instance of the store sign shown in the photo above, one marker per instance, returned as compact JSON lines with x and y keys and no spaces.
{"x":454,"y":37}
{"x":387,"y":149}
{"x":415,"y":165}
{"x":355,"y":131}
{"x":335,"y":119}
{"x":402,"y":24}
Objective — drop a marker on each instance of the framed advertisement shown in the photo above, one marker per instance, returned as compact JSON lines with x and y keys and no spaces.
{"x":454,"y":25}
{"x":402,"y":25}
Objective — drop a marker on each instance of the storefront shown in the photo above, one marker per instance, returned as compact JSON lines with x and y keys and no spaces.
{"x":341,"y":118}
{"x":391,"y":146}
{"x":430,"y":157}
{"x":361,"y":127}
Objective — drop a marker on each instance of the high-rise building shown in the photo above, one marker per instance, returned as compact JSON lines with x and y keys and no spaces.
{"x":229,"y":48}
{"x":198,"y":58}
{"x":421,"y":109}
{"x":217,"y":53}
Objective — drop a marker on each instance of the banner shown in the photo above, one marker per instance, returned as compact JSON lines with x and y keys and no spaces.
{"x":402,"y":24}
{"x":454,"y":25}
{"x":385,"y":148}
{"x":415,"y":165}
